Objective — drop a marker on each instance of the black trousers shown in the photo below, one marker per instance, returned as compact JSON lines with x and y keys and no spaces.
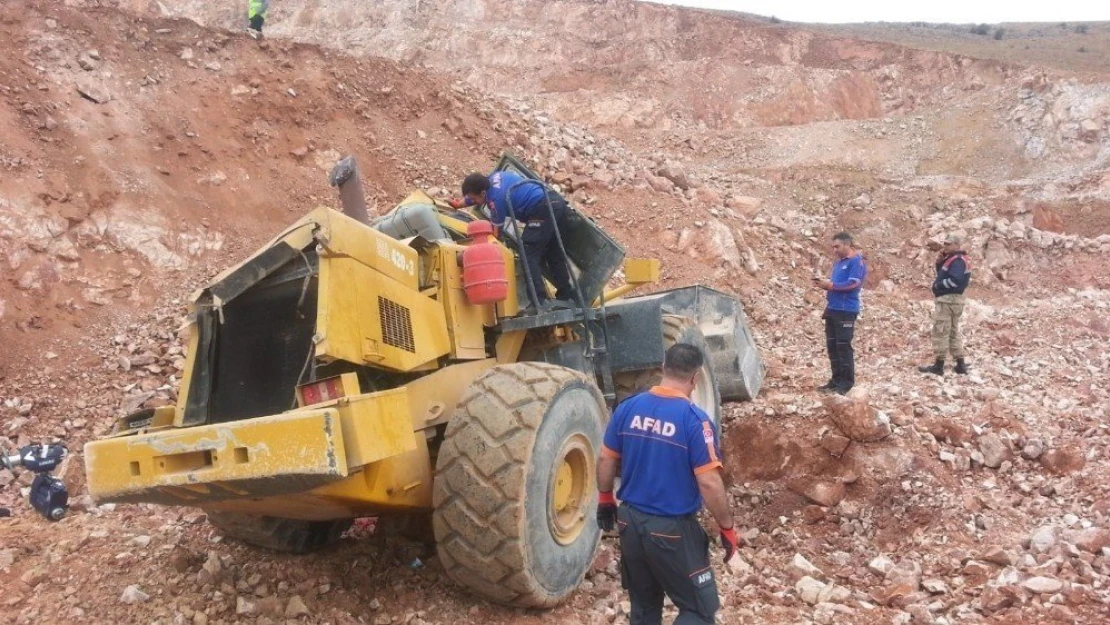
{"x":666,"y":555}
{"x":840,"y":329}
{"x":543,"y":250}
{"x":256,"y":22}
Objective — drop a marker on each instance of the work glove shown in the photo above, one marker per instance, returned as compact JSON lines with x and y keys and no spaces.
{"x":729,"y":540}
{"x":606,"y":511}
{"x":457,"y":202}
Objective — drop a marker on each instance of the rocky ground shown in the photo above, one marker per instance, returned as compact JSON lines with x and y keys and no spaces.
{"x":142,"y":153}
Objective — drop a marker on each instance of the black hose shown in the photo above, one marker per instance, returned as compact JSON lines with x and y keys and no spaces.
{"x":558,"y":239}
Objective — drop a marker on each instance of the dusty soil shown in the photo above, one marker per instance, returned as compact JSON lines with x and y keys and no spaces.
{"x":143,"y":152}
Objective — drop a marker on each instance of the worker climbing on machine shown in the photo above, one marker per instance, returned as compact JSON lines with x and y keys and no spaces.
{"x":529,"y":204}
{"x":669,"y":462}
{"x":256,"y":15}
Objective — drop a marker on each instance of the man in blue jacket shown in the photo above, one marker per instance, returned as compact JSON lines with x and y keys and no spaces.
{"x":529,"y":205}
{"x":953,"y":277}
{"x":666,"y":452}
{"x":843,"y":286}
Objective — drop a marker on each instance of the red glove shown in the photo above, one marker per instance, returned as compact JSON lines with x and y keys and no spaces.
{"x":730,"y":541}
{"x":606,"y":511}
{"x":457,"y":202}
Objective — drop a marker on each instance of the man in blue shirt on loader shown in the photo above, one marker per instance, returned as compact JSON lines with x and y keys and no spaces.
{"x":843,"y":285}
{"x":529,"y":205}
{"x":666,"y":451}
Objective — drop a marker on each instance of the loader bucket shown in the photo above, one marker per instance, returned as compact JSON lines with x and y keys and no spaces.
{"x":736,"y":360}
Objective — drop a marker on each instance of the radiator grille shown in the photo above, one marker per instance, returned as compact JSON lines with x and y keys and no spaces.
{"x":396,"y":325}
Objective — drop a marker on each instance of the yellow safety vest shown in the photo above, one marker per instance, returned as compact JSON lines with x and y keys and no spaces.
{"x":257,"y":7}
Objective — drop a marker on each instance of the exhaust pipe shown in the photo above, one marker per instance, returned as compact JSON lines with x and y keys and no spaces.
{"x":345,"y":176}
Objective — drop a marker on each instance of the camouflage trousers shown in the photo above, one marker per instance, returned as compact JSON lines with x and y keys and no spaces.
{"x":946,"y":326}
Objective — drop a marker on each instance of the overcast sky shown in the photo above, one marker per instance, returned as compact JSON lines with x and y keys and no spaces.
{"x":952,"y":11}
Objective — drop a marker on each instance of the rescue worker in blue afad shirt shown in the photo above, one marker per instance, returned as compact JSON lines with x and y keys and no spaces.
{"x":842,"y":310}
{"x":667,"y":453}
{"x":529,"y":200}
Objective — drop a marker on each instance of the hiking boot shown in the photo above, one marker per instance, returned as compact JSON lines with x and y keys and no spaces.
{"x":254,"y":34}
{"x":937,"y":368}
{"x":961,"y":367}
{"x":828,"y":387}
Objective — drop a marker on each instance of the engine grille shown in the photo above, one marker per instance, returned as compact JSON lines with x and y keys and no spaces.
{"x":396,"y":325}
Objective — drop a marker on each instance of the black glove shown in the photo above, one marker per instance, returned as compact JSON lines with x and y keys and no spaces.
{"x":606,"y":511}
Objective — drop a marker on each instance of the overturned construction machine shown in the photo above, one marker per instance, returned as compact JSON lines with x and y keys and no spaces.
{"x":351,"y":369}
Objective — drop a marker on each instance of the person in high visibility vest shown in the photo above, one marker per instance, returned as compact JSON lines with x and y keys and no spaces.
{"x":256,"y":13}
{"x":953,"y":276}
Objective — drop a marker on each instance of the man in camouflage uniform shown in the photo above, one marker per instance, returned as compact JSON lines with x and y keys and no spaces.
{"x":953,"y":276}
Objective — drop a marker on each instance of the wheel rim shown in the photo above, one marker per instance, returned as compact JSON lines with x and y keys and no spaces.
{"x":569,"y":489}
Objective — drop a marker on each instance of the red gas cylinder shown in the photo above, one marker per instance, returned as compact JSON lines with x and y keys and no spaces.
{"x":484,"y":280}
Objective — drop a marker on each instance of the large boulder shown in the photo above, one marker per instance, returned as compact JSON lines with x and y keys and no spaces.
{"x":855,"y":418}
{"x":676,"y":173}
{"x":995,"y":451}
{"x":746,"y":206}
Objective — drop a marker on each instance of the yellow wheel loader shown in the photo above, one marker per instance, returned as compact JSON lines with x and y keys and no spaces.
{"x":342,"y":372}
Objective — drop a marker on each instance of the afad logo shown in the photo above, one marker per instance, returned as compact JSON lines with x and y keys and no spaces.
{"x":653,"y":425}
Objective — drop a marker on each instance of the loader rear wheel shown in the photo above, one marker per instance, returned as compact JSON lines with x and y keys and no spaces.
{"x":677,"y":329}
{"x":276,"y":533}
{"x":515,"y":494}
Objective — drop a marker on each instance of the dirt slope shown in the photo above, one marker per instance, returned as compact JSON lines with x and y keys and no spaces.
{"x":624,"y":63}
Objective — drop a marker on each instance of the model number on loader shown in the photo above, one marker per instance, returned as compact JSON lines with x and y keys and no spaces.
{"x":402,"y":263}
{"x":397,"y":258}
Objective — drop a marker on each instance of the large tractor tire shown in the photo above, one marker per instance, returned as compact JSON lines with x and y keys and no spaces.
{"x":515,"y":491}
{"x":278,"y":534}
{"x":677,"y":329}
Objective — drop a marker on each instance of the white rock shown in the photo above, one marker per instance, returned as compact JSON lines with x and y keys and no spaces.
{"x":800,"y":567}
{"x":1043,"y":585}
{"x":244,"y":606}
{"x":296,"y":607}
{"x":826,"y":613}
{"x":738,"y":566}
{"x":880,"y":565}
{"x":810,"y":590}
{"x":132,"y":595}
{"x":935,"y":586}
{"x":1043,"y":539}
